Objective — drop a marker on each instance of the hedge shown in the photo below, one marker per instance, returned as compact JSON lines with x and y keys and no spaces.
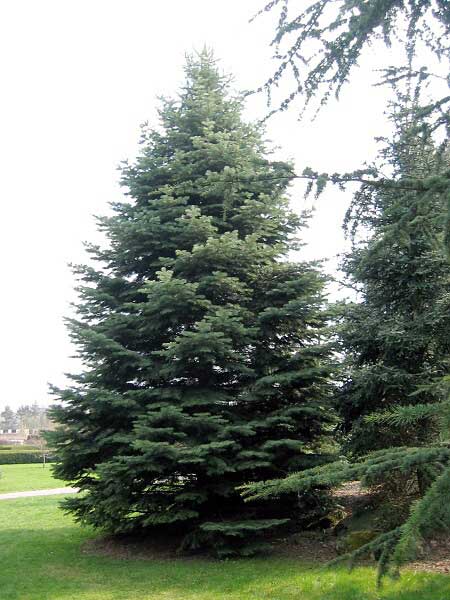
{"x":16,"y":456}
{"x":17,"y":448}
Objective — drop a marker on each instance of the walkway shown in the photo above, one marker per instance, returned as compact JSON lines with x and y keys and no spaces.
{"x":31,"y":494}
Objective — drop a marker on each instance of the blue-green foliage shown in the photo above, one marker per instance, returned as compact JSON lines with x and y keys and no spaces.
{"x":203,"y":344}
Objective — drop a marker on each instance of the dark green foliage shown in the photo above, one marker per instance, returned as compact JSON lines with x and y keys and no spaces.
{"x":394,"y":397}
{"x":369,"y":470}
{"x":202,"y":344}
{"x":396,"y":338}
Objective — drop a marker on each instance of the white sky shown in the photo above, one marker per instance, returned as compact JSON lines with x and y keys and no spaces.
{"x":77,"y":79}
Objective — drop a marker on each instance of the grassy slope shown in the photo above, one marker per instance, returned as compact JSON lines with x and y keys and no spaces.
{"x":20,"y":478}
{"x":41,"y":559}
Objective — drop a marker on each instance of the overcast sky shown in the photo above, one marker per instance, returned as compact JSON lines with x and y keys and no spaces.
{"x":77,"y":79}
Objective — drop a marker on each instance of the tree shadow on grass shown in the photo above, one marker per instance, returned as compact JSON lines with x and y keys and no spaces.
{"x":49,"y":564}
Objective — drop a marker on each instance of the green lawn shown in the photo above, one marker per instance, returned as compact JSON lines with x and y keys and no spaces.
{"x":41,"y":559}
{"x":21,"y":478}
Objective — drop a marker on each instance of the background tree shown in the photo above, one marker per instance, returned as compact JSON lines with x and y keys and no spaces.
{"x":395,"y":338}
{"x":394,"y":400}
{"x":389,"y":398}
{"x":33,"y":416}
{"x":8,"y":419}
{"x":202,"y":343}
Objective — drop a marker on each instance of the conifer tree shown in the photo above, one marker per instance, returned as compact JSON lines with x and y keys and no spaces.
{"x":8,"y":419}
{"x":394,"y":401}
{"x":205,"y":366}
{"x":395,"y":338}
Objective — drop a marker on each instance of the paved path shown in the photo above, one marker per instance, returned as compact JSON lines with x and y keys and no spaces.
{"x":31,"y":494}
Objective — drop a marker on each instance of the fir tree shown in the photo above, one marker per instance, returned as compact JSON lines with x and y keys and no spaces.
{"x":202,"y":343}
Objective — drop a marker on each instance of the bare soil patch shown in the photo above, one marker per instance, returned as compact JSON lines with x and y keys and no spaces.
{"x":435,"y":557}
{"x":315,"y":547}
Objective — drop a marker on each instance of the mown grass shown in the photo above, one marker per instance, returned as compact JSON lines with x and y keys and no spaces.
{"x":21,"y":478}
{"x":42,"y":558}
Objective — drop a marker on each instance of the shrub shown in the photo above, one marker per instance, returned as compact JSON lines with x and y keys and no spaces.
{"x":21,"y":456}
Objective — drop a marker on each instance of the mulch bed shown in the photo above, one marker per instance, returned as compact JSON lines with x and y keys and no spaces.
{"x":313,"y":546}
{"x":435,"y":557}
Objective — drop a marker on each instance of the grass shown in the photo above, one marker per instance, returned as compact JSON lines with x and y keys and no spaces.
{"x":21,"y":478}
{"x":42,"y":558}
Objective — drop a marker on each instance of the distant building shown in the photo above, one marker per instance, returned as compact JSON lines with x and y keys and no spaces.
{"x":14,"y":436}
